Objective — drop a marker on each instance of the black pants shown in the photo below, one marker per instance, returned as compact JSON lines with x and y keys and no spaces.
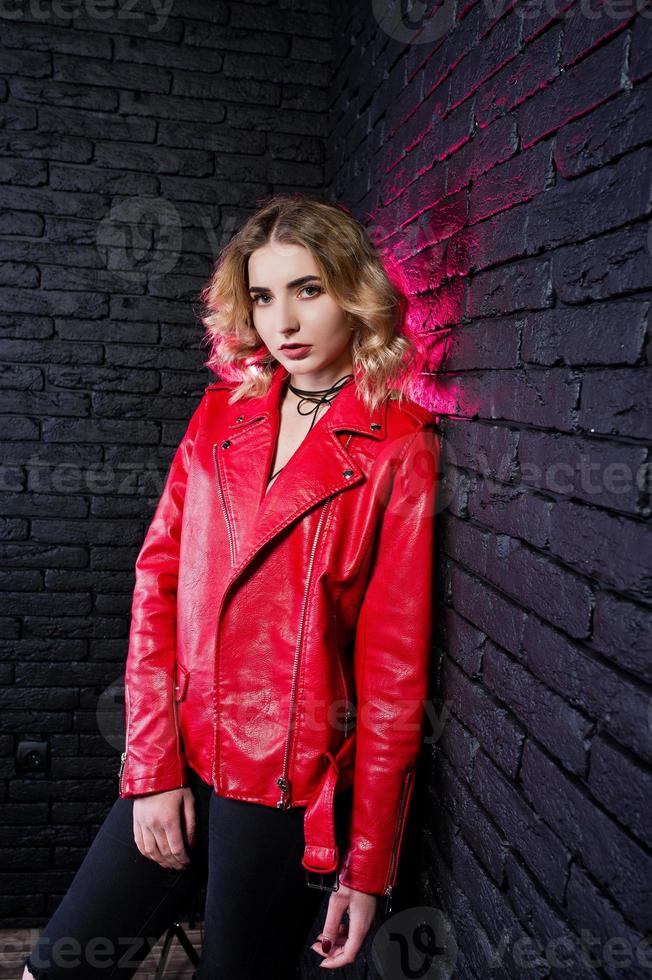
{"x":258,"y":912}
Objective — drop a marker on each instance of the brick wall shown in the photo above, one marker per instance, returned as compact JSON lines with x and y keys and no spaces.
{"x":130,"y":147}
{"x":504,"y":167}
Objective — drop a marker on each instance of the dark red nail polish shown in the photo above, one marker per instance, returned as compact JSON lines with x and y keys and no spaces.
{"x":326,"y":945}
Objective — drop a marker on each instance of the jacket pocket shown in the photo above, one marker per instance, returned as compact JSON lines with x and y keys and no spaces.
{"x":181,"y":682}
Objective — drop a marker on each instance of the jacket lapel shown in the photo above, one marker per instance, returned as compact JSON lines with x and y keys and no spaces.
{"x":320,"y":467}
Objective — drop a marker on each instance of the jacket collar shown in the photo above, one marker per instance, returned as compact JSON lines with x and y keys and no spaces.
{"x":348,"y":411}
{"x":320,"y":467}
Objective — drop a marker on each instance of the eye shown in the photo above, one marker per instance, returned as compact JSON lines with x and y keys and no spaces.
{"x":318,"y":290}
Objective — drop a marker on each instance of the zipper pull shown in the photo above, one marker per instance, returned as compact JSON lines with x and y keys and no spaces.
{"x":283,"y":783}
{"x":388,"y":901}
{"x":123,"y":759}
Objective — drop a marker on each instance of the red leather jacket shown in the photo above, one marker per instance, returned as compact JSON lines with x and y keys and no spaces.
{"x":280,"y":642}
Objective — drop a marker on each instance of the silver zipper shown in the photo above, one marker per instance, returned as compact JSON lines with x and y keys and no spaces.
{"x":223,"y":503}
{"x":123,"y":757}
{"x":347,"y":714}
{"x":282,"y":781}
{"x":217,"y":735}
{"x":397,"y":833}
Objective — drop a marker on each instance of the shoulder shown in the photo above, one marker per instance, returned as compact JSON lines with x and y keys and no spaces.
{"x":409,"y":417}
{"x":217,"y":385}
{"x":412,"y":438}
{"x":208,"y":403}
{"x":217,"y":392}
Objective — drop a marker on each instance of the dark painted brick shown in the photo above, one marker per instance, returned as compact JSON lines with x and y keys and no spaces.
{"x":622,"y":786}
{"x":505,"y":932}
{"x":477,"y":829}
{"x":591,"y":204}
{"x":492,"y":725}
{"x":619,"y":947}
{"x":522,"y":829}
{"x":623,"y":868}
{"x":585,"y":335}
{"x":518,"y":179}
{"x":545,"y":715}
{"x":641,"y":50}
{"x":539,"y":582}
{"x":622,"y":632}
{"x":619,"y":125}
{"x":588,"y":469}
{"x":489,"y":610}
{"x":473,"y":346}
{"x":510,"y":510}
{"x":615,"y":551}
{"x":464,"y":643}
{"x":521,"y":286}
{"x":562,"y":947}
{"x":546,"y":398}
{"x":590,"y":25}
{"x":521,"y":77}
{"x":579,"y":89}
{"x":617,"y":402}
{"x":619,"y":705}
{"x":611,"y":266}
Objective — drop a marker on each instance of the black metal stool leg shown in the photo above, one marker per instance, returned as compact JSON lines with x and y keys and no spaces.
{"x":177,"y":931}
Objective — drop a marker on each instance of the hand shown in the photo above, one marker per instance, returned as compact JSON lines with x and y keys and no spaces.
{"x":346,"y":940}
{"x":159,"y":820}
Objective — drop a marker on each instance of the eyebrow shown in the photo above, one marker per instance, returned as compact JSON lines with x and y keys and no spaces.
{"x":290,"y":285}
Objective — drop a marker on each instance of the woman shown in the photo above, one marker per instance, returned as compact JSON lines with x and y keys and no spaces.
{"x":280,"y":632}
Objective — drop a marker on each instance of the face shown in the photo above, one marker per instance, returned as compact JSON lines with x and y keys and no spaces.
{"x":290,"y":306}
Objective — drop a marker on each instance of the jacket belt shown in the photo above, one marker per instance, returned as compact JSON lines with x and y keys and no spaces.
{"x":321,"y":854}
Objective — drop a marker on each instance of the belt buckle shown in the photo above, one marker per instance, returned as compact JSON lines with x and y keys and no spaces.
{"x":322,"y":875}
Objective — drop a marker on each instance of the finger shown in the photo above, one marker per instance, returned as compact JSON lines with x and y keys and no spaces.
{"x":335,"y":947}
{"x":171,"y":844}
{"x":341,"y":956}
{"x":150,"y":846}
{"x":337,"y":943}
{"x":336,"y":909}
{"x":342,"y":932}
{"x":189,"y":818}
{"x":176,"y":845}
{"x":162,"y":848}
{"x":339,"y":940}
{"x":138,"y":837}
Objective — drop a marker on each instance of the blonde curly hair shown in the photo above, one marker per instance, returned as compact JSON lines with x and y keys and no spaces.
{"x":352,"y":271}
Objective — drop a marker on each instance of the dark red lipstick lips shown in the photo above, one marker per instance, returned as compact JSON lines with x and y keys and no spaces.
{"x":296,"y":351}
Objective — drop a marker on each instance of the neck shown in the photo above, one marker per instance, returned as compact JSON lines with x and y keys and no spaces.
{"x":319,"y":380}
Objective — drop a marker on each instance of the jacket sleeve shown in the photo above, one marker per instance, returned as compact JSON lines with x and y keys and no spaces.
{"x":391,"y":666}
{"x":153,"y":759}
